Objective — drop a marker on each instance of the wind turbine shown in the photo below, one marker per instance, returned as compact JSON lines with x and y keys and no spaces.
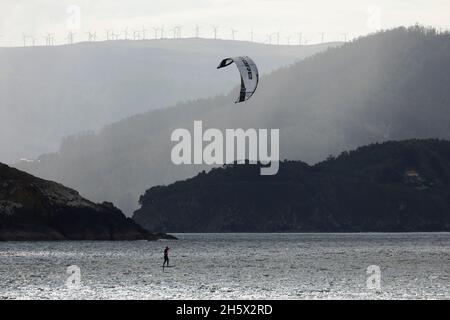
{"x":156,"y":32}
{"x":299,"y":38}
{"x":70,"y":37}
{"x":251,"y":35}
{"x":197,"y":31}
{"x":215,"y":28}
{"x":162,"y":32}
{"x":91,"y":36}
{"x":322,"y":35}
{"x":345,"y":36}
{"x":114,"y":36}
{"x":288,"y":38}
{"x":174,"y":30}
{"x":178,"y":29}
{"x":278,"y":37}
{"x":136,"y":34}
{"x":108,"y":33}
{"x":25,"y":37}
{"x":49,"y":39}
{"x":144,"y":31}
{"x":125,"y":33}
{"x":233,"y":33}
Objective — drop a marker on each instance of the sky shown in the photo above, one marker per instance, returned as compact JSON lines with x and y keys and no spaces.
{"x":316,"y":20}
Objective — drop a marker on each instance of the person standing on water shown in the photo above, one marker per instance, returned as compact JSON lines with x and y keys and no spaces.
{"x":166,"y":256}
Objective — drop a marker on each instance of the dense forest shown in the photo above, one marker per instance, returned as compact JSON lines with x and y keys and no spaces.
{"x":392,"y":85}
{"x":393,"y":186}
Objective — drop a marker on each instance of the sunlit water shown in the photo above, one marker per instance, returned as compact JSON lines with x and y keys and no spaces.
{"x":232,"y":266}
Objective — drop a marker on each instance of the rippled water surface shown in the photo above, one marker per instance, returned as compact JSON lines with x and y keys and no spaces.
{"x":228,"y":266}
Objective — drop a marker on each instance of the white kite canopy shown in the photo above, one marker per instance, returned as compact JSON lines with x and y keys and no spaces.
{"x":249,"y":75}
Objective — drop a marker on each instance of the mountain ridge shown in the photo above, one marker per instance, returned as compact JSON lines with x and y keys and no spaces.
{"x":395,"y":186}
{"x":391,"y":85}
{"x":50,"y":92}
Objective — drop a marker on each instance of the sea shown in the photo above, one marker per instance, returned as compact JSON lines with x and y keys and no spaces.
{"x":232,"y":266}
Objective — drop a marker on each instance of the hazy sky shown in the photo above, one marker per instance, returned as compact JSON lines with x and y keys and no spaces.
{"x":289,"y":17}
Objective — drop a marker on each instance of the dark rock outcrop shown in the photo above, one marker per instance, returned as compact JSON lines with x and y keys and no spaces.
{"x":394,"y":186}
{"x":36,"y":209}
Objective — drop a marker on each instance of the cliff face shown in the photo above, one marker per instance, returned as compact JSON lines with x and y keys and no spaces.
{"x":36,"y":209}
{"x":394,"y":186}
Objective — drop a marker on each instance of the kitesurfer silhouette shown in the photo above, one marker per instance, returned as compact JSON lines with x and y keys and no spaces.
{"x":166,"y":256}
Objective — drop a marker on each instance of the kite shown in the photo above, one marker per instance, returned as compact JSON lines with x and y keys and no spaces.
{"x":249,"y":75}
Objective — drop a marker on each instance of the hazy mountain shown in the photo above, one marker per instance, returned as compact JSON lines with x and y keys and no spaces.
{"x":390,"y":85}
{"x":36,"y":209}
{"x":394,"y":186}
{"x":50,"y":92}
